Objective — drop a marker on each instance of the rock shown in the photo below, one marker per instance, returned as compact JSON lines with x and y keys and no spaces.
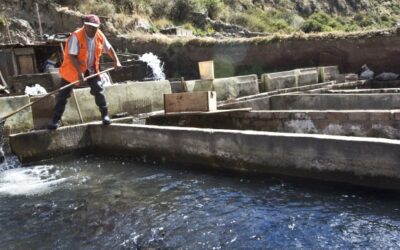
{"x":386,"y":76}
{"x":366,"y":73}
{"x":21,"y":31}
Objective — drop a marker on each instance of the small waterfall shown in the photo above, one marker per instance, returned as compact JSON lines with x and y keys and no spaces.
{"x":9,"y":161}
{"x":2,"y":157}
{"x":155,"y":64}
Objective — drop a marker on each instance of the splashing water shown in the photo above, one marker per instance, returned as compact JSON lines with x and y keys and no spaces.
{"x":35,"y":90}
{"x":155,"y":64}
{"x":29,"y":181}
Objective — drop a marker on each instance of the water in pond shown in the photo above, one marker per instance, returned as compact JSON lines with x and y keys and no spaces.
{"x":99,"y":203}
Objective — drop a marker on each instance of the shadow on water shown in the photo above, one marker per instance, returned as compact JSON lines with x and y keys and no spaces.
{"x":94,"y":202}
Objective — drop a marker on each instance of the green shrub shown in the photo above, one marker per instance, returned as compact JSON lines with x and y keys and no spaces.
{"x":133,"y":6}
{"x":363,"y":20}
{"x":3,"y":22}
{"x":213,"y":7}
{"x":313,"y":26}
{"x":162,"y":23}
{"x":183,"y":8}
{"x":321,"y":22}
{"x":161,"y":8}
{"x":97,"y":7}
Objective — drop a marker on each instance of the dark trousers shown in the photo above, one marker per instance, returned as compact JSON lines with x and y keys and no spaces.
{"x":96,"y":90}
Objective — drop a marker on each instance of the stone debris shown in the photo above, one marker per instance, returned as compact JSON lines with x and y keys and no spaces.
{"x":387,"y":76}
{"x":366,"y":73}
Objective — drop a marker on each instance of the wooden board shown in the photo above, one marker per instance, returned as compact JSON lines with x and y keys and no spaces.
{"x":24,"y":51}
{"x":26,"y":64}
{"x":190,"y":101}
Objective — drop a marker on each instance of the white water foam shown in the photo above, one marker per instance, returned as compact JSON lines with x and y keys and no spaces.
{"x":155,"y":64}
{"x":35,"y":90}
{"x":30,"y":181}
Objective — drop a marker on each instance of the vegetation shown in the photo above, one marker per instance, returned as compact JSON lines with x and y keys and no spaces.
{"x":3,"y":21}
{"x":278,"y":16}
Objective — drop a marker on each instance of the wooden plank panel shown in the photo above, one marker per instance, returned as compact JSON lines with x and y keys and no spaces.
{"x":193,"y":101}
{"x":26,"y":64}
{"x":24,"y":51}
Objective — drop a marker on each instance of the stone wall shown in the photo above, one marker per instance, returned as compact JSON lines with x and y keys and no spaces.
{"x":379,"y":50}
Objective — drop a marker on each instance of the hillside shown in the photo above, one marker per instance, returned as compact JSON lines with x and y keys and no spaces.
{"x":257,"y":15}
{"x":218,"y":18}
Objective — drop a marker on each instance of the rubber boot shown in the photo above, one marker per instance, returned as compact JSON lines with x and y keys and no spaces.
{"x":55,"y":123}
{"x":104,"y":116}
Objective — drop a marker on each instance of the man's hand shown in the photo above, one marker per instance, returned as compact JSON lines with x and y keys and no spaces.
{"x":117,"y":65}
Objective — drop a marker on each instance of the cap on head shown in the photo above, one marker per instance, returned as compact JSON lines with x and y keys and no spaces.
{"x":91,"y":20}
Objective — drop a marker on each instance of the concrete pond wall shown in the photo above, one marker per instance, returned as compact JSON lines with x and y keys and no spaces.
{"x":320,"y":101}
{"x":363,"y":123}
{"x":362,"y":161}
{"x":335,"y":101}
{"x":131,"y":97}
{"x":21,"y":121}
{"x":226,"y":88}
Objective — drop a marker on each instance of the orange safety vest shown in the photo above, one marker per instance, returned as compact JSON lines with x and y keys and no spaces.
{"x":67,"y":69}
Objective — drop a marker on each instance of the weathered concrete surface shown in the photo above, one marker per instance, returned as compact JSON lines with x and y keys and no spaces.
{"x":45,"y":80}
{"x":306,"y":76}
{"x":296,"y":78}
{"x":328,"y":73}
{"x":364,"y":161}
{"x":226,"y":88}
{"x":261,"y":101}
{"x":335,"y":101}
{"x":363,"y":123}
{"x":46,"y":144}
{"x":21,"y":121}
{"x":279,"y":80}
{"x":131,"y":97}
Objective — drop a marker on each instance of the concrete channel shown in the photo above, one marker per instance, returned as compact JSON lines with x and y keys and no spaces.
{"x":368,"y":162}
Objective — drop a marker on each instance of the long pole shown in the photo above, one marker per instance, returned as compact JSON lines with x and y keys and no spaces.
{"x":49,"y":94}
{"x":77,"y":106}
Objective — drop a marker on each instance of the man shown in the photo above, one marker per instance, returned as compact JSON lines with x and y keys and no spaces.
{"x":81,"y":58}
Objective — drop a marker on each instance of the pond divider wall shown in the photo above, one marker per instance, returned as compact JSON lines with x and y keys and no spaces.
{"x":364,"y":161}
{"x":128,"y":97}
{"x":363,"y":123}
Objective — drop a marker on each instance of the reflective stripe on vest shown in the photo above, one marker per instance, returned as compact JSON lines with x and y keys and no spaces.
{"x":67,"y":69}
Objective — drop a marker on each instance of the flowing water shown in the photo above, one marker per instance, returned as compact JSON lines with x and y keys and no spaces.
{"x":111,"y":203}
{"x":155,"y":64}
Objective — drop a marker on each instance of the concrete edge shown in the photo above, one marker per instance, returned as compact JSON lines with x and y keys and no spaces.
{"x":368,"y":162}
